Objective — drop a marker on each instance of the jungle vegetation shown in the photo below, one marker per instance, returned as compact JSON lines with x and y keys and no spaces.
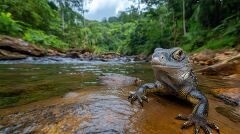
{"x":191,"y":24}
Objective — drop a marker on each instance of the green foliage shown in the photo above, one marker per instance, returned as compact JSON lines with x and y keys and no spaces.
{"x":226,"y":42}
{"x":104,"y":37}
{"x":36,"y":13}
{"x":224,"y":35}
{"x":187,"y":47}
{"x":39,"y":37}
{"x":209,"y":24}
{"x":8,"y":25}
{"x":98,"y":50}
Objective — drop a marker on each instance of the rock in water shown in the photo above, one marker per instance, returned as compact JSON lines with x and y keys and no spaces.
{"x":71,"y":95}
{"x":230,"y":96}
{"x":112,"y":79}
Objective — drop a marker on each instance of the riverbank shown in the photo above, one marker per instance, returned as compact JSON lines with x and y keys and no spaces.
{"x":17,"y":49}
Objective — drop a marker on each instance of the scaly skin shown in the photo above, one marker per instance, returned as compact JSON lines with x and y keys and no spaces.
{"x":174,"y":76}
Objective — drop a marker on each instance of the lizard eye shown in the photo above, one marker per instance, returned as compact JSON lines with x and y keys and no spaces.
{"x":178,"y":55}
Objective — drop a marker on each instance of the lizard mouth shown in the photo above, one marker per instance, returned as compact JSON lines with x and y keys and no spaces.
{"x":162,"y":63}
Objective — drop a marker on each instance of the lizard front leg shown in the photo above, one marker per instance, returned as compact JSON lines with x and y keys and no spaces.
{"x":140,"y":93}
{"x":199,"y":115}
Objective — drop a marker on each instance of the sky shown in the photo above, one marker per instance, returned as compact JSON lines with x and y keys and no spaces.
{"x":99,"y":9}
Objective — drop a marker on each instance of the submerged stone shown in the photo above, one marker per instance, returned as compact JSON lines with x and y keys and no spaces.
{"x":112,"y":79}
{"x":71,"y":95}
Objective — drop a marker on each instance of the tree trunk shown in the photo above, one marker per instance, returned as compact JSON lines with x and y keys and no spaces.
{"x":184,"y":21}
{"x":83,"y":12}
{"x":174,"y":31}
{"x":63,"y":21}
{"x":62,"y":6}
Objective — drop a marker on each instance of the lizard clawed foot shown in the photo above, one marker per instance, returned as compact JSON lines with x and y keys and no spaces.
{"x":198,"y":122}
{"x":137,"y":96}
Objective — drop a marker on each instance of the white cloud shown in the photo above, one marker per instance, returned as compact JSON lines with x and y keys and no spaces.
{"x":98,"y":9}
{"x":122,"y":5}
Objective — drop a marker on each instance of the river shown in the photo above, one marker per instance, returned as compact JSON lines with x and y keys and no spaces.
{"x":33,"y":100}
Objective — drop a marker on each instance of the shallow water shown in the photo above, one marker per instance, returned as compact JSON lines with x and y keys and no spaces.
{"x":32,"y":100}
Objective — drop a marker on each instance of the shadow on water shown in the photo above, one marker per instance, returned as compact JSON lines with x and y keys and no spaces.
{"x":90,"y":107}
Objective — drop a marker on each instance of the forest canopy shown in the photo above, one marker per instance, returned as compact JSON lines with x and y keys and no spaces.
{"x":193,"y":25}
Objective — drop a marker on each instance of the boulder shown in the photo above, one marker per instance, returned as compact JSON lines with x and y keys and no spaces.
{"x":205,"y":57}
{"x":227,"y":67}
{"x":113,"y":80}
{"x":209,"y":57}
{"x":17,"y":45}
{"x":228,"y":95}
{"x":71,"y":95}
{"x":7,"y":55}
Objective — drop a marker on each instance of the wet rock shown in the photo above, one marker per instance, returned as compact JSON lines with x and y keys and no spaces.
{"x":233,"y":77}
{"x":112,"y":79}
{"x":203,"y":58}
{"x":73,"y":55}
{"x":227,"y":67}
{"x":17,"y":45}
{"x":230,"y":96}
{"x":225,"y":54}
{"x":232,"y":114}
{"x":209,"y":57}
{"x":78,"y":53}
{"x":140,"y":57}
{"x":52,"y":52}
{"x":109,"y":55}
{"x":71,"y":95}
{"x":7,"y":55}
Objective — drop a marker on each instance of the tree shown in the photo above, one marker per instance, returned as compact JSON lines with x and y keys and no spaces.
{"x":113,"y":19}
{"x":184,"y":19}
{"x":38,"y":14}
